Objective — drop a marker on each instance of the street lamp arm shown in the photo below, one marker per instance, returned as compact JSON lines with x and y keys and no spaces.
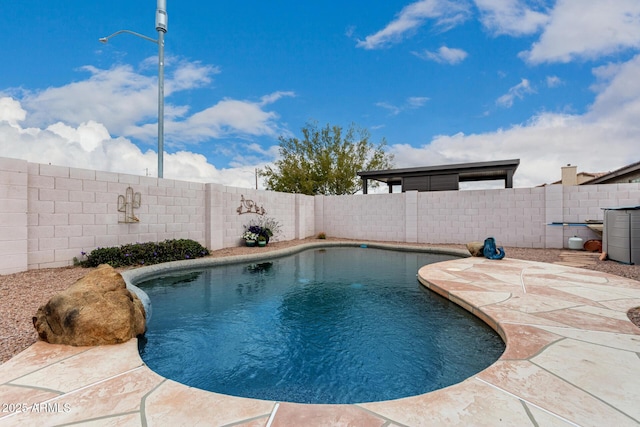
{"x":106,"y":39}
{"x":161,"y":28}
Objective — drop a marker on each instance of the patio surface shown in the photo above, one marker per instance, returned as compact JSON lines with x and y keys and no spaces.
{"x":572,"y":358}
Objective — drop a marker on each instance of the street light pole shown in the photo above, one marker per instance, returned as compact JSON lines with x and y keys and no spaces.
{"x":161,"y":27}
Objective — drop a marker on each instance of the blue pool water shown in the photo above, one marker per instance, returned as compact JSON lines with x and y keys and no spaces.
{"x":336,"y":325}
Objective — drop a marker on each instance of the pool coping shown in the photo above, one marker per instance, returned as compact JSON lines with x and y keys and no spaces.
{"x":572,"y":358}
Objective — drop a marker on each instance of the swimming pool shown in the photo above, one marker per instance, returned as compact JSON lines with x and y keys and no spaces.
{"x":335,"y":325}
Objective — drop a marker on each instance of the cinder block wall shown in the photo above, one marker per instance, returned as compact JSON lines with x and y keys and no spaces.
{"x":14,"y":209}
{"x":280,"y":206}
{"x":369,"y":216}
{"x":515,"y":217}
{"x":540,"y":217}
{"x":305,"y":216}
{"x":586,"y":202}
{"x":71,"y":211}
{"x":51,"y":214}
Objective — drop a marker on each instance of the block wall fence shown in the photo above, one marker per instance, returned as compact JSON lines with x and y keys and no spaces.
{"x":51,"y":214}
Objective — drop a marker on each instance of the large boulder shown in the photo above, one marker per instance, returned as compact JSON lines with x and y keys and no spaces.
{"x":475,"y":248}
{"x":97,"y":309}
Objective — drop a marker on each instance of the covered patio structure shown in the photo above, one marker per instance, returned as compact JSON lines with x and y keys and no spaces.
{"x":442,"y":177}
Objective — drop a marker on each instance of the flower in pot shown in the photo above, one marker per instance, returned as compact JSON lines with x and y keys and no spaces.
{"x":269,"y":226}
{"x":250,"y":238}
{"x":265,"y":227}
{"x":262,"y":240}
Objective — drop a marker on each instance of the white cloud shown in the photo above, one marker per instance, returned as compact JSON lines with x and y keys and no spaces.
{"x":72,"y":125}
{"x":393,"y":110}
{"x":11,"y":111}
{"x":601,"y":140}
{"x":618,"y":98}
{"x":126,"y":103}
{"x":416,"y":101}
{"x":116,"y":97}
{"x":544,"y":145}
{"x":89,"y":146}
{"x":273,"y":97}
{"x":86,"y":146}
{"x":445,"y":13}
{"x":228,"y":117}
{"x":88,"y":135}
{"x":587,"y":30}
{"x":190,"y":75}
{"x":554,"y":81}
{"x":444,"y":55}
{"x":410,"y":103}
{"x":254,"y":154}
{"x":517,"y":91}
{"x":510,"y":17}
{"x":349,"y":31}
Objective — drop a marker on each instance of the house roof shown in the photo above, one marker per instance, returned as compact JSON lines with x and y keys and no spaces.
{"x":633,"y":168}
{"x":583,"y":177}
{"x":479,"y":171}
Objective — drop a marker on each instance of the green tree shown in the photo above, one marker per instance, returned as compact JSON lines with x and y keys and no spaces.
{"x":325,"y":161}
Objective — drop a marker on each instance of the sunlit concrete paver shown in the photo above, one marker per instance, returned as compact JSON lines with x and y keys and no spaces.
{"x":572,"y":358}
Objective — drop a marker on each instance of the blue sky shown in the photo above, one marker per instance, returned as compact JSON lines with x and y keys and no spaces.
{"x":443,"y":81}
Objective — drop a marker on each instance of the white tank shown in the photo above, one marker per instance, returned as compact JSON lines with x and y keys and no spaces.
{"x":575,"y":242}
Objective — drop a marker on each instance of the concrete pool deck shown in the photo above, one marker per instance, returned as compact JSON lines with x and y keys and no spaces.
{"x":572,"y":358}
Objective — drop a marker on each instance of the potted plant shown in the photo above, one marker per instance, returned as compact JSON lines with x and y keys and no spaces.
{"x":270,"y":227}
{"x":250,"y":238}
{"x":262,"y":241}
{"x":264,"y":227}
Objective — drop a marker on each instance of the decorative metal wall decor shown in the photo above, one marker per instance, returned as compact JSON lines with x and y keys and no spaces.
{"x":249,"y":206}
{"x":126,"y":205}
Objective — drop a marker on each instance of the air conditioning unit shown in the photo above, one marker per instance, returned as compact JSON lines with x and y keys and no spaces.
{"x":621,"y":234}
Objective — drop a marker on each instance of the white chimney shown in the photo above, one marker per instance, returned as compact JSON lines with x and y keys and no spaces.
{"x":569,"y":175}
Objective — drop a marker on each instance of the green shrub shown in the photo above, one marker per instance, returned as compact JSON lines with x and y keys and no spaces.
{"x":112,"y":256}
{"x":145,"y":253}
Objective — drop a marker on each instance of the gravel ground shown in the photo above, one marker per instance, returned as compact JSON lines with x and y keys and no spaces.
{"x":22,"y":293}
